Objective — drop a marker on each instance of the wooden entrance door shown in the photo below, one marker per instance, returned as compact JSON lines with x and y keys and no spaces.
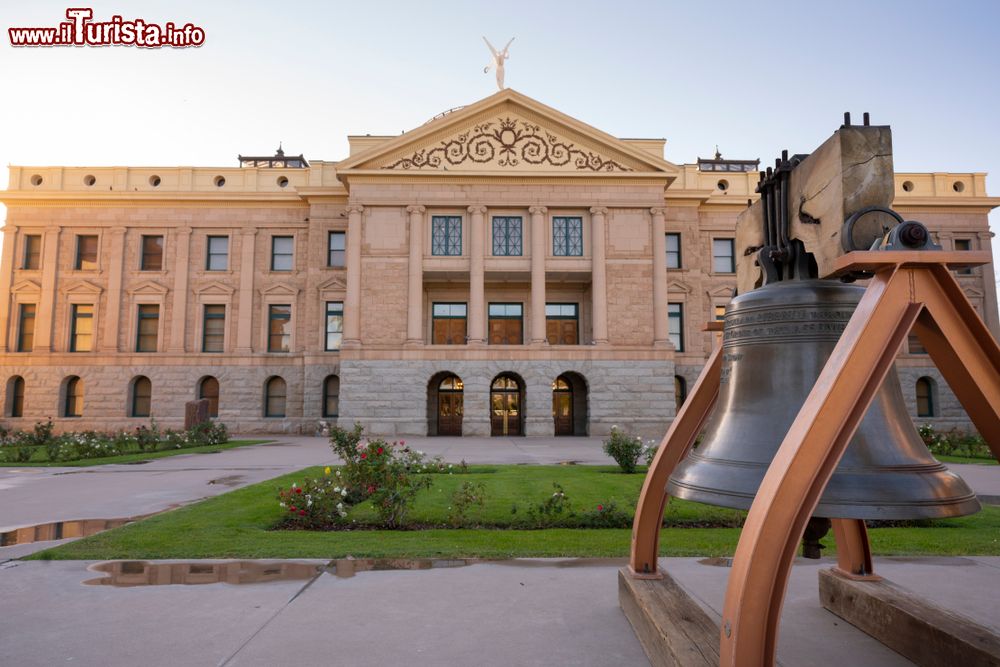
{"x":562,"y":407}
{"x":505,"y":407}
{"x":450,"y":411}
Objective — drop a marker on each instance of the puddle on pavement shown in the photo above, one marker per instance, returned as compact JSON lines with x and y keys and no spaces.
{"x":144,"y":573}
{"x":228,"y":480}
{"x":568,"y":463}
{"x":716,"y":562}
{"x":61,"y":530}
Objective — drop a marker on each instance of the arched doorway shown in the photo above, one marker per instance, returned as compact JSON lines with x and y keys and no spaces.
{"x":446,"y":398}
{"x":569,"y":404}
{"x":506,"y":401}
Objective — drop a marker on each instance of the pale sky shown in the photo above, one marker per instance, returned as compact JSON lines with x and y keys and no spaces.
{"x":752,"y":77}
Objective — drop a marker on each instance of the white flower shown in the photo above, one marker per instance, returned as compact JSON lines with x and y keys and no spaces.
{"x":343,"y":492}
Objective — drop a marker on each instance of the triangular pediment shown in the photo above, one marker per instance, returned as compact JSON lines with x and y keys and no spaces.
{"x":216,"y":288}
{"x":148,"y":287}
{"x":678,"y":286}
{"x":723,"y":292}
{"x":279,"y":289}
{"x":26,"y":287}
{"x":507,"y":132}
{"x":973,"y":292}
{"x":82,"y":287}
{"x":334,"y":284}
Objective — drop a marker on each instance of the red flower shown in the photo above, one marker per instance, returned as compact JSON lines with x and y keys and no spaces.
{"x":292,"y":508}
{"x":364,"y":456}
{"x":379,"y":450}
{"x":600,"y":508}
{"x":402,"y":442}
{"x":302,"y":512}
{"x":298,"y":490}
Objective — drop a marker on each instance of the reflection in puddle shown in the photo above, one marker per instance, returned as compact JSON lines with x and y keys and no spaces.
{"x":717,"y":562}
{"x":61,"y":530}
{"x":143,"y":573}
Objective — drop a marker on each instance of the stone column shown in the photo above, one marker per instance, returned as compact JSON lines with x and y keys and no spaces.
{"x":47,"y":299}
{"x":599,"y":280}
{"x":112,"y":318}
{"x":415,"y":298}
{"x":182,"y":243}
{"x":10,"y":243}
{"x":477,"y":276}
{"x":244,"y":325}
{"x":661,"y":336}
{"x":538,"y":274}
{"x":352,"y":302}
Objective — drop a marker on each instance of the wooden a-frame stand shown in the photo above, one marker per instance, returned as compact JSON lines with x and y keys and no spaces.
{"x":910,"y":290}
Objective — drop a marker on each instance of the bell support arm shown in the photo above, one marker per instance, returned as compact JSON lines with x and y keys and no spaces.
{"x":673,"y":448}
{"x":803,"y":465}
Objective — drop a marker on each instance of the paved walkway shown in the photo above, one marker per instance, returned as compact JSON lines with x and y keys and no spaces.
{"x":519,"y":612}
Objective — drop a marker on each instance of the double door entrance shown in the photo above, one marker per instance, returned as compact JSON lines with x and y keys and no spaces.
{"x":505,"y":406}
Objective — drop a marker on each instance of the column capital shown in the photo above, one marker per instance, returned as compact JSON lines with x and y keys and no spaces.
{"x":118,"y":229}
{"x":599,"y":210}
{"x":249,"y":232}
{"x":658,"y":210}
{"x":477,"y":208}
{"x":355,"y":208}
{"x":416,"y":209}
{"x":184,"y":230}
{"x":538,"y":210}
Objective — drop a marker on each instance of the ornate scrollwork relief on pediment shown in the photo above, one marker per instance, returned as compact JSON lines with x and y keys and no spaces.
{"x":507,"y":143}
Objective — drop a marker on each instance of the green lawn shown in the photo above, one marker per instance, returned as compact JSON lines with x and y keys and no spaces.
{"x":238,"y":525}
{"x":134,"y":457}
{"x":965,"y":459}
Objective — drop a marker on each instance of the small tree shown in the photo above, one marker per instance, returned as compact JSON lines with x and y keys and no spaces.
{"x":624,"y":449}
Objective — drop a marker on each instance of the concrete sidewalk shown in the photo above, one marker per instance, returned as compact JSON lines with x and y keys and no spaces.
{"x":519,"y":612}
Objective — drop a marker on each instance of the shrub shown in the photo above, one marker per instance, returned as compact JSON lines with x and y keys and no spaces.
{"x":954,"y":443}
{"x":389,"y":474}
{"x":549,"y":511}
{"x":605,"y":515}
{"x":317,"y":503}
{"x":650,"y":452}
{"x":624,"y":449}
{"x":464,"y":497}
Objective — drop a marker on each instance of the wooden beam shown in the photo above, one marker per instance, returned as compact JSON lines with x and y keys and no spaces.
{"x":671,"y":627}
{"x":929,"y":635}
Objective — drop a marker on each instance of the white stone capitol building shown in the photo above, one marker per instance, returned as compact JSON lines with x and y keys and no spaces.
{"x":502,"y":269}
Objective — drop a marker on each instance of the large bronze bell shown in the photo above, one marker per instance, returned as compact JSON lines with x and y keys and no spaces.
{"x":776,"y":341}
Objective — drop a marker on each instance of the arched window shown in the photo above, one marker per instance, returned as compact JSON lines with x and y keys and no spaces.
{"x":208,"y":388}
{"x":925,"y":398}
{"x":142,"y":397}
{"x":15,"y":396}
{"x":331,"y":396}
{"x":680,"y":391}
{"x":274,"y":397}
{"x":73,"y":404}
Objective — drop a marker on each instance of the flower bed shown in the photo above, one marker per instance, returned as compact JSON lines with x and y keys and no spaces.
{"x":41,"y":445}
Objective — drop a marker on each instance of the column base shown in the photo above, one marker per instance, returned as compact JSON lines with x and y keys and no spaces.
{"x":413,"y":342}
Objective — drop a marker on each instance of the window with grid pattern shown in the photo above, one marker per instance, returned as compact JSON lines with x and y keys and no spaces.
{"x":86,"y":253}
{"x":673,"y":250}
{"x":213,"y":332}
{"x":32,"y":252}
{"x":675,"y":325}
{"x":336,"y":249}
{"x":567,"y":236}
{"x":81,"y":327}
{"x":26,"y":327}
{"x":507,"y":236}
{"x":148,"y":327}
{"x":334,"y":325}
{"x":446,"y":235}
{"x":152,"y":254}
{"x":217,"y":258}
{"x":449,"y":323}
{"x":723,"y":256}
{"x":282,"y":249}
{"x":279,"y":328}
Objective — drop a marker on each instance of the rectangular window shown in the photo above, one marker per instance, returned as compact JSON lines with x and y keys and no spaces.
{"x":282,"y":253}
{"x":720,"y":313}
{"x":507,"y":237}
{"x":723,"y":256}
{"x":26,"y":328}
{"x":334,"y":325}
{"x":449,"y":323}
{"x":279,"y":328}
{"x":446,"y":235}
{"x":336,"y":249}
{"x":213,"y":335}
{"x":217,"y":258}
{"x":567,"y":237}
{"x":506,"y":324}
{"x":562,"y":324}
{"x":675,"y":325}
{"x":81,"y":328}
{"x":963,"y":245}
{"x":32,"y":259}
{"x":152,"y":253}
{"x":673,"y":250}
{"x":148,"y":327}
{"x":86,"y":253}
